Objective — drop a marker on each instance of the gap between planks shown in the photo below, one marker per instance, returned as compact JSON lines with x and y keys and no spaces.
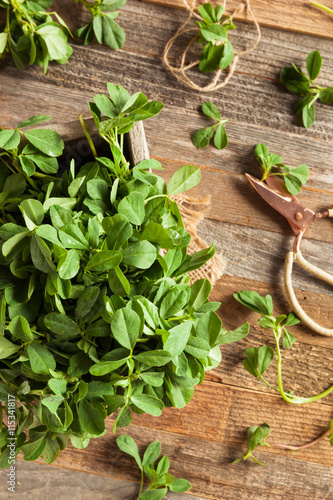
{"x":39,"y":480}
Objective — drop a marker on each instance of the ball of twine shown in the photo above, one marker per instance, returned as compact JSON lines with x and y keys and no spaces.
{"x":180,"y":72}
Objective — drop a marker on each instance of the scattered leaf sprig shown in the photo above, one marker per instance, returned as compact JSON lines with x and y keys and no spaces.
{"x":257,"y":435}
{"x":160,"y":480}
{"x":93,"y":319}
{"x":218,"y":52}
{"x":303,"y":85}
{"x":103,"y":26}
{"x":30,"y":34}
{"x":258,"y":359}
{"x":271,"y":165}
{"x":202,"y":137}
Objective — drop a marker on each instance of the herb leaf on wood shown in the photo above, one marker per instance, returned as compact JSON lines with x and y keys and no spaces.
{"x":213,"y":34}
{"x":160,"y":480}
{"x":258,"y":359}
{"x":257,"y":435}
{"x":303,"y":85}
{"x":202,"y":137}
{"x":103,"y":26}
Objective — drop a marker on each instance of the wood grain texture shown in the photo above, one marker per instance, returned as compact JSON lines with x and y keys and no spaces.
{"x":202,"y":452}
{"x":204,"y":437}
{"x":233,"y":314}
{"x":234,"y":200}
{"x":298,"y":16}
{"x":252,"y":251}
{"x":66,"y":88}
{"x":41,"y":482}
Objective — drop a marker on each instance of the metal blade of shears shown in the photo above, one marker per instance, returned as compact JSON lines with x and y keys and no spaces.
{"x":287,"y":205}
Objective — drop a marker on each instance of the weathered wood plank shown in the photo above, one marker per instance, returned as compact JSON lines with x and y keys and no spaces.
{"x":253,"y":253}
{"x":64,"y":94}
{"x":298,"y":16}
{"x":90,"y":67}
{"x":318,"y":306}
{"x":41,"y":482}
{"x":234,"y":200}
{"x":223,"y":413}
{"x":172,"y":141}
{"x":217,"y":432}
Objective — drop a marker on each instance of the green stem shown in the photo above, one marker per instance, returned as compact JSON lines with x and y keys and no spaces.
{"x":89,"y":139}
{"x":268,"y":385}
{"x":43,"y":176}
{"x":19,"y":12}
{"x":323,"y":7}
{"x":37,"y":392}
{"x":273,"y":174}
{"x":122,"y":143}
{"x":8,"y":166}
{"x":7,"y":29}
{"x":88,"y":5}
{"x":272,"y":386}
{"x":317,"y":86}
{"x":156,"y":196}
{"x":173,"y":318}
{"x":141,"y":485}
{"x":290,"y":398}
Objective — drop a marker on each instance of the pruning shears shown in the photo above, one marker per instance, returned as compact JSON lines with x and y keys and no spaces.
{"x":299,"y":218}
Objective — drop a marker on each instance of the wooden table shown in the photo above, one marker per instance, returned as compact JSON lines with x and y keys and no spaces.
{"x":203,"y":438}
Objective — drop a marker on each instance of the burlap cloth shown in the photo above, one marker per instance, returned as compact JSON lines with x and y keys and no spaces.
{"x":193,"y":212}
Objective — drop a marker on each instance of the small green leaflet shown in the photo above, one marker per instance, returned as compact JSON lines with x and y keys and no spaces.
{"x":7,"y":348}
{"x":258,"y":359}
{"x":272,"y":165}
{"x":201,"y":138}
{"x":47,"y":141}
{"x":128,"y":445}
{"x":103,"y":27}
{"x":9,"y":139}
{"x":61,"y":325}
{"x":125,"y":327}
{"x":141,"y":255}
{"x":70,"y":266}
{"x":104,"y":260}
{"x":34,"y":120}
{"x":41,"y":359}
{"x":303,"y":85}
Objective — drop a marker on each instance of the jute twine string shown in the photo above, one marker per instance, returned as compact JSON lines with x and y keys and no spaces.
{"x":180,"y":72}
